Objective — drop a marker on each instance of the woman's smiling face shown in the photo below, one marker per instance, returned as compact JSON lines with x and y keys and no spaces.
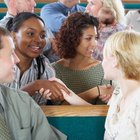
{"x":30,"y":38}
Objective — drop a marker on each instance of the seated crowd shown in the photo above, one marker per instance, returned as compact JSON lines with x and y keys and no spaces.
{"x":70,"y":54}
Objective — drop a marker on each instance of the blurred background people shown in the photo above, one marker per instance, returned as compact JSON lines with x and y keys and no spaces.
{"x":93,"y":8}
{"x":107,"y":27}
{"x":16,"y":6}
{"x":133,"y":19}
{"x":55,"y":13}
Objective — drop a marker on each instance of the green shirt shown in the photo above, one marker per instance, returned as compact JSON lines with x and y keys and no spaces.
{"x":25,"y":118}
{"x":80,"y":80}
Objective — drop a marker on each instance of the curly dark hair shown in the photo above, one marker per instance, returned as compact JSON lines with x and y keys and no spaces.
{"x":69,"y":35}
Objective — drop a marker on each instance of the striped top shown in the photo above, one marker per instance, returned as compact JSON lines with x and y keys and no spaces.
{"x":30,"y":75}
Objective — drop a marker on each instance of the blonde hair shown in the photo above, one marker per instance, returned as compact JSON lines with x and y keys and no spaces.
{"x":117,"y":5}
{"x":125,"y":46}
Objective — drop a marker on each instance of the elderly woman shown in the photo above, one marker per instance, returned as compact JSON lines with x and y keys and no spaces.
{"x":94,"y":8}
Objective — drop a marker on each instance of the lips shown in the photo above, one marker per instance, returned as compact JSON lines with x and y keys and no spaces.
{"x":36,"y":49}
{"x":91,"y":50}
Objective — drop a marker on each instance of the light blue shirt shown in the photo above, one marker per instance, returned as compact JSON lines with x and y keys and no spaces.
{"x":55,"y":13}
{"x":25,"y":118}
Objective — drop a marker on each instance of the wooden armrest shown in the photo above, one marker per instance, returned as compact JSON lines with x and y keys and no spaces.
{"x":70,"y":110}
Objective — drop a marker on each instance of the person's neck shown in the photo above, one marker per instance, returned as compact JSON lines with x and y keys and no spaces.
{"x":68,"y":4}
{"x":80,"y":63}
{"x":24,"y":63}
{"x":128,"y":86}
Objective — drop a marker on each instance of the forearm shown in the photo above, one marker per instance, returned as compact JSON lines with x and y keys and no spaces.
{"x":73,"y":99}
{"x":90,"y":94}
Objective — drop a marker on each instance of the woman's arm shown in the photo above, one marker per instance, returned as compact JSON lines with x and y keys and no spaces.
{"x":104,"y":92}
{"x":53,"y":86}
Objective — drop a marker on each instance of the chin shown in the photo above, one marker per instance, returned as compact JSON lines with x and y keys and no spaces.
{"x":107,"y":77}
{"x":9,"y":79}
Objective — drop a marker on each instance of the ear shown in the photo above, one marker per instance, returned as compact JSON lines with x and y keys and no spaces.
{"x":13,"y":35}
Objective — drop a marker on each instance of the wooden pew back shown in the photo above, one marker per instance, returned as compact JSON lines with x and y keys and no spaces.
{"x":78,"y":122}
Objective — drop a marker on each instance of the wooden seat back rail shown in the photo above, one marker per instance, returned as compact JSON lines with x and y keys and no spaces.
{"x":70,"y":110}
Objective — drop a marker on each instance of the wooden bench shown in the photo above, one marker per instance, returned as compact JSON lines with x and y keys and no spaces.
{"x":78,"y":122}
{"x":128,"y":4}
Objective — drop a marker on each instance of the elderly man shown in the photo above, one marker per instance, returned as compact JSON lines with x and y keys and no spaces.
{"x":55,"y":13}
{"x":15,"y":7}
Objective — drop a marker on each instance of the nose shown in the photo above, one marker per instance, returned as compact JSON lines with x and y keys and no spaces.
{"x":38,"y":38}
{"x":93,"y":43}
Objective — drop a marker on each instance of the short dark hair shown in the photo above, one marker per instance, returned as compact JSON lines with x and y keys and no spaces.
{"x":69,"y":35}
{"x":3,"y":32}
{"x":15,"y":23}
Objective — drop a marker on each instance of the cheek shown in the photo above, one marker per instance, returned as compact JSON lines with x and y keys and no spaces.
{"x":43,"y":43}
{"x":20,"y":44}
{"x":105,"y":66}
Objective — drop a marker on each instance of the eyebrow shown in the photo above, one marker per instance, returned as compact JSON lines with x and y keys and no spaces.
{"x":33,"y":28}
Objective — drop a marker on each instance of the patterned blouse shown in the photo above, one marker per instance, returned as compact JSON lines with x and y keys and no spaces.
{"x":104,"y":33}
{"x":124,"y":125}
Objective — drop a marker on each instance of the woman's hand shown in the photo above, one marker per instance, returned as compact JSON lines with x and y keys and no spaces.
{"x":105,"y":93}
{"x":45,"y":93}
{"x":52,"y":89}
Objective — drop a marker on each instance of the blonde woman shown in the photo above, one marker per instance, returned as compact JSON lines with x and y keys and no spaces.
{"x":122,"y":52}
{"x":94,"y":6}
{"x":121,"y":62}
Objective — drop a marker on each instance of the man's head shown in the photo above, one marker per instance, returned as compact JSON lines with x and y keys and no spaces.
{"x":17,"y":6}
{"x":8,"y":58}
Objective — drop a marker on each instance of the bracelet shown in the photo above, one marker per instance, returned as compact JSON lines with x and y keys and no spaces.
{"x":99,"y":93}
